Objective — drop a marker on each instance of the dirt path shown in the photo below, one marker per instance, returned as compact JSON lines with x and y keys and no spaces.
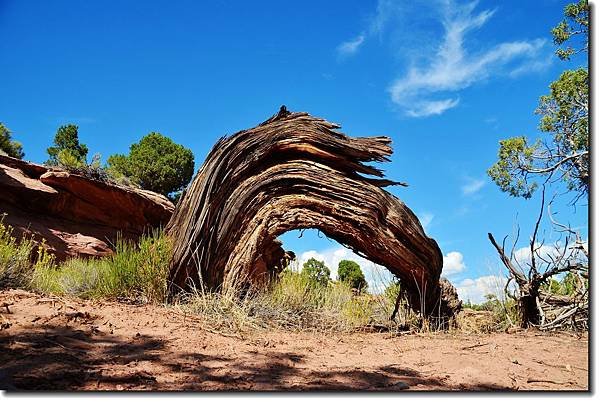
{"x":71,"y":344}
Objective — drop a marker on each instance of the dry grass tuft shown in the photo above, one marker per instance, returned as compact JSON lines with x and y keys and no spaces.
{"x":138,"y":273}
{"x":293,"y":302}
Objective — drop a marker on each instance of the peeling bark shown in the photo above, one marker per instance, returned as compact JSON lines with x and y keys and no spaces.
{"x":295,"y":171}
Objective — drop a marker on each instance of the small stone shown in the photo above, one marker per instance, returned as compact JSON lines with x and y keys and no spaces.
{"x":401,"y":385}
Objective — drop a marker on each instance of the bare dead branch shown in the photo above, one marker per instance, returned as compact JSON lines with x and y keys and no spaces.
{"x":519,"y":277}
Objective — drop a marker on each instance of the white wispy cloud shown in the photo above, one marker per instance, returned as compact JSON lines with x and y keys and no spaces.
{"x":350,"y":47}
{"x":386,"y":10}
{"x":432,"y":108}
{"x":76,"y":120}
{"x":472,"y":186}
{"x":454,"y":67}
{"x":474,"y":290}
{"x":453,"y":263}
{"x":431,"y":85}
{"x":425,"y":218}
{"x":534,"y":66}
{"x":377,"y":276}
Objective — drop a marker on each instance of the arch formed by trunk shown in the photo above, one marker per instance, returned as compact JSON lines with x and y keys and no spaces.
{"x":296,"y":171}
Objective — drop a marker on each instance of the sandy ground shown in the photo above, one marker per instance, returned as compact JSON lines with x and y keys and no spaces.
{"x":72,"y":344}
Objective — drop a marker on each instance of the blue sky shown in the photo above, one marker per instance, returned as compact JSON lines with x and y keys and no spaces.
{"x":446,"y":80}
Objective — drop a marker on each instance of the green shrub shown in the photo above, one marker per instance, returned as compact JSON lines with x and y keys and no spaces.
{"x":156,"y":163}
{"x":19,"y":259}
{"x":350,"y":272}
{"x":67,"y":151}
{"x":15,"y":259}
{"x":316,"y":272}
{"x":137,"y":272}
{"x":504,"y":311}
{"x":67,"y":159}
{"x":565,"y":286}
{"x":9,"y":146}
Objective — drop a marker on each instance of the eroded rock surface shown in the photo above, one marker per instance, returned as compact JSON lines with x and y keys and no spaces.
{"x":76,"y":215}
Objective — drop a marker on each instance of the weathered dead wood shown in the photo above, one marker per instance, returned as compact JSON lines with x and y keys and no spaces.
{"x":535,"y":306}
{"x":295,"y":171}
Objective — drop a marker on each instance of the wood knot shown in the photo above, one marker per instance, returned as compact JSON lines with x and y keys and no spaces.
{"x":283,"y":112}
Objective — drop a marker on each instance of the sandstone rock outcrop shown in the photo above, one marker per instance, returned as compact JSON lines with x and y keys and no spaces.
{"x":76,"y":215}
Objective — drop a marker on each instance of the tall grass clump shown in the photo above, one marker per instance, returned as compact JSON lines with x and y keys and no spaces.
{"x":296,"y":301}
{"x":293,"y":301}
{"x":18,"y":259}
{"x":135,"y":271}
{"x":15,"y":263}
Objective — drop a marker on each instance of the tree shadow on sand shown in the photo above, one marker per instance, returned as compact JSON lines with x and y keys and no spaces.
{"x":63,"y":358}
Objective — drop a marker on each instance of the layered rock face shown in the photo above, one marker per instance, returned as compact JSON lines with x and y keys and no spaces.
{"x":76,"y":215}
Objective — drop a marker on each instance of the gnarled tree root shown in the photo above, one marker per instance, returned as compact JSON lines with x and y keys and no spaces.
{"x":295,"y":171}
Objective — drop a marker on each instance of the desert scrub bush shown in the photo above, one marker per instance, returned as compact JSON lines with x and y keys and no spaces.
{"x":224,"y":310}
{"x":135,"y":271}
{"x":299,"y":301}
{"x":15,"y":263}
{"x":294,"y":301}
{"x":19,"y":259}
{"x":496,"y":313}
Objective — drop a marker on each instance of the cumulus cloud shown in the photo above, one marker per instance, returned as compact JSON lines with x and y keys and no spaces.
{"x":523,"y":254}
{"x":454,"y":67}
{"x":350,"y":47}
{"x":474,"y":290}
{"x":377,"y":276}
{"x":472,"y":186}
{"x":453,"y":263}
{"x":548,"y":253}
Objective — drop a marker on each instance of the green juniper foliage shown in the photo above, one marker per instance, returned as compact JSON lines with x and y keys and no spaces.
{"x":8,"y":145}
{"x":350,"y":272}
{"x":576,"y":22}
{"x":563,"y":152}
{"x":67,"y":151}
{"x":155,"y":163}
{"x":316,"y":271}
{"x":567,"y":286}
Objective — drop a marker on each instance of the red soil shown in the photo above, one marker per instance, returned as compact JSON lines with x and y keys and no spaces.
{"x":73,"y":344}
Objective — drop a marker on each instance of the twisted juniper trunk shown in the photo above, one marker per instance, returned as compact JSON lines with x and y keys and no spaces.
{"x":291,"y":172}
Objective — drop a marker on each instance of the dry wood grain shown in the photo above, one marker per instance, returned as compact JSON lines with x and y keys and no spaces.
{"x":296,"y":171}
